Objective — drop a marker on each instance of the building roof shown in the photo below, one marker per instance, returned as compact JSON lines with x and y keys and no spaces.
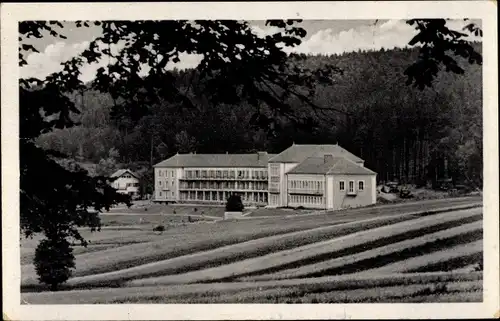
{"x":120,"y":172}
{"x":335,"y":165}
{"x":298,"y":153}
{"x":217,"y":160}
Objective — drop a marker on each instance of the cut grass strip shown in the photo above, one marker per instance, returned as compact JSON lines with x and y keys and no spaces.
{"x":466,"y":296}
{"x":177,"y":242}
{"x":323,"y":284}
{"x":194,"y":238}
{"x":232,"y":253}
{"x":451,"y":263}
{"x":298,"y":295}
{"x":457,"y":253}
{"x":342,"y":256}
{"x":275,"y":261}
{"x":379,"y":256}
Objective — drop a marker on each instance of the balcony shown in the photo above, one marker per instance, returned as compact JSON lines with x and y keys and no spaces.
{"x":305,"y":191}
{"x":222,"y":189}
{"x":249,"y":179}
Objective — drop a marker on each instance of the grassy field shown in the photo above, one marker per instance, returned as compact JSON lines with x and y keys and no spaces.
{"x":380,"y":254}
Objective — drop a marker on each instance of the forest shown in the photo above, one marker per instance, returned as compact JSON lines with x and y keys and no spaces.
{"x":402,"y":133}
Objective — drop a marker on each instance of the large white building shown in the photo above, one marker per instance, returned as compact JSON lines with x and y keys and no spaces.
{"x":311,"y":176}
{"x":211,"y":178}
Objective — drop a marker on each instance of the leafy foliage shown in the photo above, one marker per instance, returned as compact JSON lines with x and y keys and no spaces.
{"x":234,"y":203}
{"x":436,"y":40}
{"x":53,"y":261}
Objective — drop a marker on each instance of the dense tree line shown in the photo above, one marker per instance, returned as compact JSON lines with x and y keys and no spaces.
{"x":403,"y":134}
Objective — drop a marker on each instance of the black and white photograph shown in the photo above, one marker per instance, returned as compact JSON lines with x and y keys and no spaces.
{"x":289,"y":159}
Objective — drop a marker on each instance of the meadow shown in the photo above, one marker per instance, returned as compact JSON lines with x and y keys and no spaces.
{"x":415,"y":252}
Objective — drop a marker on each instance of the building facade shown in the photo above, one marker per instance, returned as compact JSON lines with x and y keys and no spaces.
{"x":320,"y":176}
{"x":126,"y":182}
{"x":212,"y":178}
{"x":309,"y":176}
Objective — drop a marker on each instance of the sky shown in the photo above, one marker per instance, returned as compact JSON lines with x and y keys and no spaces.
{"x":323,"y":37}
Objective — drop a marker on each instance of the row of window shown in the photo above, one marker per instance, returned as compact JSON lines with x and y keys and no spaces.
{"x":274,"y":199}
{"x":220,"y":196}
{"x":304,"y":199}
{"x":161,"y":194}
{"x":351,"y":189}
{"x":117,"y":185}
{"x":127,"y":176}
{"x":309,"y":185}
{"x":225,"y":185}
{"x":166,"y":183}
{"x":274,"y":187}
{"x":241,"y":174}
{"x":166,"y":173}
{"x":274,"y":170}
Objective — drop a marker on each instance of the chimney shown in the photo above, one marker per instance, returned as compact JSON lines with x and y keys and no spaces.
{"x":261,"y":155}
{"x":328,"y":158}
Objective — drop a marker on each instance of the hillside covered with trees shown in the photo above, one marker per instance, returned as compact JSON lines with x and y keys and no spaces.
{"x":403,"y":133}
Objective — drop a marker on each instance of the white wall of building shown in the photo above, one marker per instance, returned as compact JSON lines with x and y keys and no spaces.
{"x":343,"y":199}
{"x":306,"y":190}
{"x":330,"y":191}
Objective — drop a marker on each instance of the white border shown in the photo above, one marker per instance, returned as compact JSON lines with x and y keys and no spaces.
{"x":13,"y":12}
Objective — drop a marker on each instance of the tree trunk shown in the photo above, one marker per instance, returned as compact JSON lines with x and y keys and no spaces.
{"x":54,"y":287}
{"x":151,"y":153}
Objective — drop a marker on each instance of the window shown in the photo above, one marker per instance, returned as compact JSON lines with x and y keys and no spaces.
{"x":160,"y":194}
{"x":172,"y":194}
{"x":361,"y":185}
{"x":342,"y":185}
{"x":351,"y":186}
{"x":173,"y":174}
{"x":172,"y":183}
{"x":159,"y":182}
{"x":159,"y":172}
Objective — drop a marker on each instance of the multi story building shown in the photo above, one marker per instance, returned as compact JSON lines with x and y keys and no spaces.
{"x":311,"y":176}
{"x":320,"y":176}
{"x":211,"y":178}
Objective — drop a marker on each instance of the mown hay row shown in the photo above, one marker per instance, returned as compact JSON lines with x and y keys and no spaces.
{"x":176,"y":242}
{"x":457,"y":252}
{"x":322,"y":284}
{"x":298,"y":295}
{"x":277,"y":260}
{"x":235,"y":252}
{"x":396,"y":251}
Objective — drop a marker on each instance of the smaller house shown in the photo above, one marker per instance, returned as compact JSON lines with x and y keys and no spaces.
{"x":126,"y":182}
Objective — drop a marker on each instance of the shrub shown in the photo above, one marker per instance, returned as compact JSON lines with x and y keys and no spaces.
{"x":159,"y":228}
{"x":53,"y":261}
{"x":234,"y":204}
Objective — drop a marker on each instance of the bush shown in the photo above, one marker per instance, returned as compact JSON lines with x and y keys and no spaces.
{"x":159,"y":228}
{"x":53,"y":261}
{"x":234,"y":204}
